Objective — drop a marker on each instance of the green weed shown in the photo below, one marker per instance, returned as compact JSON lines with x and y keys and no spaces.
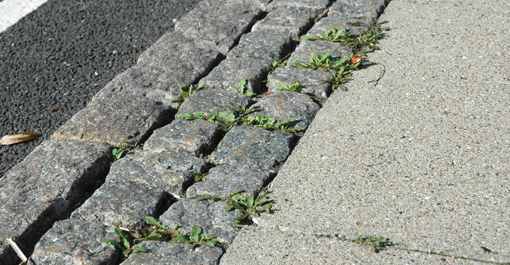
{"x":242,"y":89}
{"x":127,"y":244}
{"x":248,"y":205}
{"x":187,"y":92}
{"x":378,"y":243}
{"x":196,"y":238}
{"x":295,"y":86}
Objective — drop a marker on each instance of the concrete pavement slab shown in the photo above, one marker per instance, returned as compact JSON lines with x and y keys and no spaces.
{"x":420,"y":157}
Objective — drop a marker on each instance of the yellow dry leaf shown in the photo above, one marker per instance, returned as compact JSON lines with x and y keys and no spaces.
{"x":18,"y":138}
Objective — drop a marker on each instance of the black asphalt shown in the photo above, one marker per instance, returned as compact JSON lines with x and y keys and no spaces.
{"x":54,"y":60}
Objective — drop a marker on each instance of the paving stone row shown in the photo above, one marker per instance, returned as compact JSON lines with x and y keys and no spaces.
{"x":136,"y":104}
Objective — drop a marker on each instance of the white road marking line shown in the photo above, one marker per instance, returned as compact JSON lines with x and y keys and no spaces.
{"x":13,"y":10}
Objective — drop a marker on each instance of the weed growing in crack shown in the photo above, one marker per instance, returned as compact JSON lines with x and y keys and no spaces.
{"x":295,"y":87}
{"x":242,"y":89}
{"x":324,"y":61}
{"x":248,"y":205}
{"x":199,"y":177}
{"x":127,"y":244}
{"x":197,"y":238}
{"x":187,"y":92}
{"x":338,"y":78}
{"x":378,"y":243}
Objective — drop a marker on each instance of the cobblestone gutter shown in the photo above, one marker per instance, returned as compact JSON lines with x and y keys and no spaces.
{"x":46,"y":204}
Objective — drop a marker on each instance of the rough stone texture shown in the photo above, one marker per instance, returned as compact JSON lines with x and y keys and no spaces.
{"x":163,"y":253}
{"x":75,"y":241}
{"x":310,"y":80}
{"x":152,"y":82}
{"x":43,"y":188}
{"x":255,"y":147}
{"x":283,"y":105}
{"x":224,"y":27}
{"x":317,"y":6}
{"x":225,"y":180}
{"x":210,"y":215}
{"x":168,"y":171}
{"x":368,"y":9}
{"x":229,"y":72}
{"x":188,"y":57}
{"x":303,"y":51}
{"x":124,"y":114}
{"x":208,"y":100}
{"x":294,"y":22}
{"x":122,"y":202}
{"x":328,"y":23}
{"x":193,"y":137}
{"x":262,"y":4}
{"x":264,"y":45}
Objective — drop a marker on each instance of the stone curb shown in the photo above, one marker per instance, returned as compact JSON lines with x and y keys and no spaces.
{"x":138,"y":102}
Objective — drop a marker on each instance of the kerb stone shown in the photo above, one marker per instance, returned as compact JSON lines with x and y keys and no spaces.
{"x":255,"y":147}
{"x":44,"y":187}
{"x":163,"y":253}
{"x":306,"y":47}
{"x":310,"y":80}
{"x":207,"y":100}
{"x":224,"y":27}
{"x":294,"y":22}
{"x":367,"y":9}
{"x":317,"y":6}
{"x":264,"y":45}
{"x":284,"y":105}
{"x":225,"y":180}
{"x":194,"y":137}
{"x":210,"y":215}
{"x":75,"y":241}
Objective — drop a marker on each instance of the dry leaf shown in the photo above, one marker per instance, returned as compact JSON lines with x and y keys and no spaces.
{"x":267,"y":93}
{"x":355,"y":59}
{"x":18,"y":138}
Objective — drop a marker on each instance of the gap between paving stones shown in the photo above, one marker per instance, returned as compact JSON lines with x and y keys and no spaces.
{"x":141,"y":139}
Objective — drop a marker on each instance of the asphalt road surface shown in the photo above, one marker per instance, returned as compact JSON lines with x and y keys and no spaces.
{"x":55,"y":59}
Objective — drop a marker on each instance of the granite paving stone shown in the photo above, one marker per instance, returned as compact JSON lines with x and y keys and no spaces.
{"x":255,"y":147}
{"x":225,"y":180}
{"x":163,"y":253}
{"x":310,"y":80}
{"x":207,"y":100}
{"x":75,"y":241}
{"x":306,"y":47}
{"x":186,"y":57}
{"x":293,"y":21}
{"x":169,"y":171}
{"x":229,"y":72}
{"x":125,"y":114}
{"x":328,"y":23}
{"x":367,"y":9}
{"x":210,"y":215}
{"x":283,"y":105}
{"x":122,"y":203}
{"x":44,"y":187}
{"x":194,"y":137}
{"x":317,"y":6}
{"x":222,"y":28}
{"x":264,"y":45}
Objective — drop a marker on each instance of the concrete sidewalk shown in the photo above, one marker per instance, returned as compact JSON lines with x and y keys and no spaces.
{"x":421,"y":157}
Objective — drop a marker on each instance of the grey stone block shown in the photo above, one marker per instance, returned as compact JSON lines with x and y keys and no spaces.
{"x":168,"y":171}
{"x":284,"y":105}
{"x":303,"y":51}
{"x":208,"y":100}
{"x":328,"y":23}
{"x":186,"y":57}
{"x":43,"y":187}
{"x":122,"y":203}
{"x":124,"y":114}
{"x":225,"y":180}
{"x":294,"y":22}
{"x":163,"y":253}
{"x":222,"y":28}
{"x":317,"y":6}
{"x":264,"y":45}
{"x":310,"y":80}
{"x":229,"y":72}
{"x":255,"y":147}
{"x":210,"y":215}
{"x":76,"y":242}
{"x":368,"y":9}
{"x":194,"y":137}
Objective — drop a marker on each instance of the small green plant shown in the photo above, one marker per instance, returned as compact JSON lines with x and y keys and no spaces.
{"x":196,"y":238}
{"x":295,"y":86}
{"x":127,"y":244}
{"x":159,"y":232}
{"x":187,"y":92}
{"x":324,"y":61}
{"x":378,"y":243}
{"x":338,"y":78}
{"x":199,"y":177}
{"x":117,"y":153}
{"x":273,"y":66}
{"x":334,"y":35}
{"x":200,"y":115}
{"x":248,"y":205}
{"x":242,"y":89}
